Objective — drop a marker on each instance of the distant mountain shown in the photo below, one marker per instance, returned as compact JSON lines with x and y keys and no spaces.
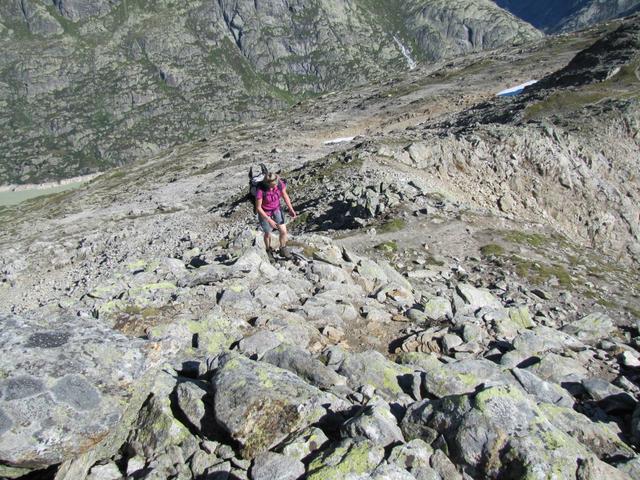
{"x":88,"y":84}
{"x":552,"y":16}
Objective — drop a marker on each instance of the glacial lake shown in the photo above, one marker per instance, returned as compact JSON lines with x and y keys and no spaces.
{"x":10,"y":197}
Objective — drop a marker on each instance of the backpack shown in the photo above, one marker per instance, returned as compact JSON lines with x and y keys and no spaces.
{"x":255,"y":182}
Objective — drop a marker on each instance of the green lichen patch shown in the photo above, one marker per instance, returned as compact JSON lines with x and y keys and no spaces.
{"x":345,"y":460}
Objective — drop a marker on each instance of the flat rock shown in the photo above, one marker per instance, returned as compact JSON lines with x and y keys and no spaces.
{"x":270,"y":465}
{"x":477,"y":298}
{"x":64,"y":381}
{"x":592,"y":328}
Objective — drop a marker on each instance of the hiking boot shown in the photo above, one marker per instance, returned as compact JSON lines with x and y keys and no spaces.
{"x":285,"y":252}
{"x":271,"y":254}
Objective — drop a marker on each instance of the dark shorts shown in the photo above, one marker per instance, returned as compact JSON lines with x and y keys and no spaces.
{"x":277,"y":216}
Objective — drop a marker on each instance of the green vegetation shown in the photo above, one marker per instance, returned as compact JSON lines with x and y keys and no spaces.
{"x":492,"y":249}
{"x":387,"y":247}
{"x":540,"y":273}
{"x":523,"y":238}
{"x":394,"y":225}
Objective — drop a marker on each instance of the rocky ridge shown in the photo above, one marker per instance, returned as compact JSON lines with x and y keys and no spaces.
{"x":550,"y":17}
{"x":442,"y":332}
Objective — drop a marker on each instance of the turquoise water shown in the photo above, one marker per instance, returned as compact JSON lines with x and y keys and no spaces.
{"x":13,"y":198}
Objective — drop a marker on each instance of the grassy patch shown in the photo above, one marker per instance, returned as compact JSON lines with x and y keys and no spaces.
{"x":624,"y":84}
{"x":394,"y":225}
{"x":523,"y":238}
{"x":491,"y":249}
{"x":540,"y":273}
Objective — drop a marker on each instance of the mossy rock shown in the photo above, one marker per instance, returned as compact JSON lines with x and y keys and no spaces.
{"x":346,"y":459}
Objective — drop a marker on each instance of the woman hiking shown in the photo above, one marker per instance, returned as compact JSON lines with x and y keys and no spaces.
{"x":270,"y":213}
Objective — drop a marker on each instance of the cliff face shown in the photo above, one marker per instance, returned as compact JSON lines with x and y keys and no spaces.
{"x":90,"y":84}
{"x":551,"y":16}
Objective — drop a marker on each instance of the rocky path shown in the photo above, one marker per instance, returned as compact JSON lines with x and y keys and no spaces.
{"x":272,"y":380}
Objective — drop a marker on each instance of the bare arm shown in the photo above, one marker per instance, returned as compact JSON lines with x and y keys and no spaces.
{"x":287,"y":201}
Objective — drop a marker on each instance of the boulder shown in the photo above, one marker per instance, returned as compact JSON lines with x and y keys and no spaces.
{"x":499,"y":432}
{"x":305,"y":443}
{"x":375,"y":423}
{"x":63,"y":384}
{"x":592,"y":328}
{"x":372,"y":368}
{"x":259,"y":405}
{"x":541,"y":390}
{"x":477,"y":298}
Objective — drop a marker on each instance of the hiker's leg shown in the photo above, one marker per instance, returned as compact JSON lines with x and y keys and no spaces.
{"x":283,"y":235}
{"x":266,"y":229}
{"x":282,"y":228}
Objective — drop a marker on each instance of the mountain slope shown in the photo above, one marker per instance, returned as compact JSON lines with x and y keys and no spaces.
{"x":552,"y":16}
{"x":93,"y":84}
{"x":463,"y":256}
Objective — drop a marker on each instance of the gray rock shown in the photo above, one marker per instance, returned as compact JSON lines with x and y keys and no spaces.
{"x":436,"y":308}
{"x":371,"y":368}
{"x":603,"y":439}
{"x":592,"y":328}
{"x":108,"y":471}
{"x":269,"y":465}
{"x":347,"y":459}
{"x":498,"y":419}
{"x":304,"y":444}
{"x":375,"y":423}
{"x":559,"y":369}
{"x":543,"y":391}
{"x":629,"y":359}
{"x":259,"y":343}
{"x":445,"y":467}
{"x":201,"y":461}
{"x":62,"y":386}
{"x":476,"y":298}
{"x":386,"y":471}
{"x":190,"y":399}
{"x":259,"y":405}
{"x":415,"y":457}
{"x":609,"y":397}
{"x":304,"y":365}
{"x":590,"y":469}
{"x":156,"y":428}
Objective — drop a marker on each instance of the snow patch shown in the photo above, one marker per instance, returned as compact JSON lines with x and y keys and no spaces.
{"x":339,"y":140}
{"x":510,"y":92}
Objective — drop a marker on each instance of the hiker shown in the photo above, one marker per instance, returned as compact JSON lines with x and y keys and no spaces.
{"x":270,"y":213}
